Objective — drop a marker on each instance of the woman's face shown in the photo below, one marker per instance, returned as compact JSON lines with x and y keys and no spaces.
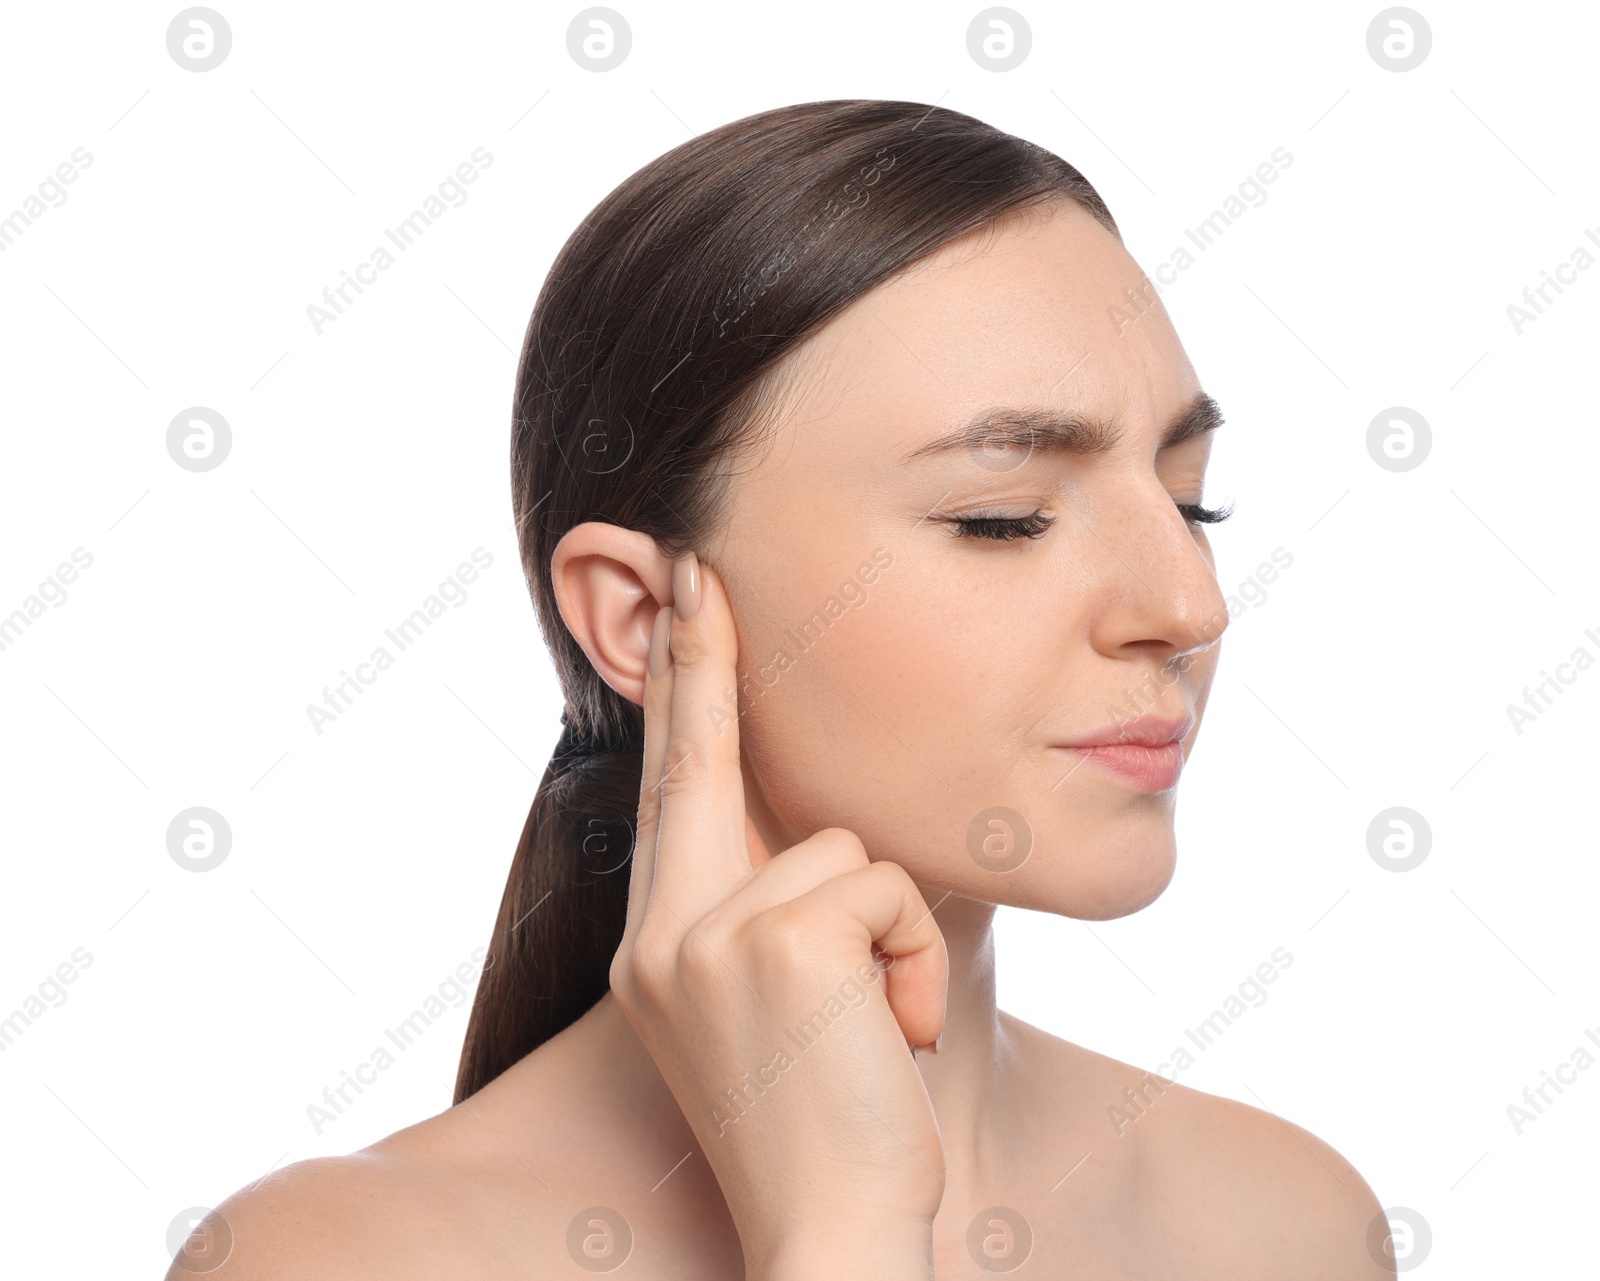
{"x":917,"y":685}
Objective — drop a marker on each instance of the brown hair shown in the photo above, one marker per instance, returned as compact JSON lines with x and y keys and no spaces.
{"x":652,"y":356}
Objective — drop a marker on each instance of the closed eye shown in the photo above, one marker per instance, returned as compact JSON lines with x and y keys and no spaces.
{"x":1195,"y":514}
{"x":1007,"y":528}
{"x":1001,"y":528}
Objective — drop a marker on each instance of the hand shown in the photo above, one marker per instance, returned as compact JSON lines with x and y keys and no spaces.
{"x":755,"y":984}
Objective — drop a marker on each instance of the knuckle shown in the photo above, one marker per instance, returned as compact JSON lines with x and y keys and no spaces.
{"x":719,"y":929}
{"x":843,"y":844}
{"x":648,"y":970}
{"x":893,"y":874}
{"x":895,"y":880}
{"x":649,"y":807}
{"x":782,"y":932}
{"x":701,"y":962}
{"x":620,"y":979}
{"x":690,"y":644}
{"x":683,"y":770}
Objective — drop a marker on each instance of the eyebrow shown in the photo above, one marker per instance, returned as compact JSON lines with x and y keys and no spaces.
{"x":1047,"y":430}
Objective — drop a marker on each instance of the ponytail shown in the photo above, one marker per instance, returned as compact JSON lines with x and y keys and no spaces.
{"x":565,"y":903}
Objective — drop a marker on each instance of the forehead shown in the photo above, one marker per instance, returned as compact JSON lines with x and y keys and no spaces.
{"x":1032,"y":311}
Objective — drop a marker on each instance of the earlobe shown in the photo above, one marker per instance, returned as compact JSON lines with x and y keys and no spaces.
{"x":609,"y":584}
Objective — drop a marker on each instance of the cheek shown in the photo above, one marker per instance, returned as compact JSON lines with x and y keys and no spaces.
{"x":859,"y":711}
{"x":897,"y":720}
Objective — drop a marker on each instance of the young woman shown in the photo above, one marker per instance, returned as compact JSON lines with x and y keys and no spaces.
{"x":858,"y":475}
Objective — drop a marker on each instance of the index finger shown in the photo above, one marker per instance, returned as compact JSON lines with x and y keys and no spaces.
{"x":692,"y":815}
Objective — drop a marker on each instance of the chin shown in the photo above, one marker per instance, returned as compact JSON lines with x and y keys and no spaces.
{"x":1101,"y":875}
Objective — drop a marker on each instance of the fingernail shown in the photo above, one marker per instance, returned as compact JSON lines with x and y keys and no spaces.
{"x":686,"y":585}
{"x":661,"y":642}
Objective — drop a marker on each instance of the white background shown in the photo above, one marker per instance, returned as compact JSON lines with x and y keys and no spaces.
{"x":368,"y":461}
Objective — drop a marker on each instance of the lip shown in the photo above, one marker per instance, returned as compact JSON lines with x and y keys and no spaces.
{"x":1143,"y":731}
{"x":1145,"y":753}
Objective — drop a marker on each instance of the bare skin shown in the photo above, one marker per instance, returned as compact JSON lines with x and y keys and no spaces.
{"x":1199,"y":1187}
{"x":949,"y":691}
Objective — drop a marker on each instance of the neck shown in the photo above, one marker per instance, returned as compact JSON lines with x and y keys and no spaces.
{"x":965,"y":1080}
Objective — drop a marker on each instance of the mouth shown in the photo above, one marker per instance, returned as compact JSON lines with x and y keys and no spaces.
{"x":1149,"y":769}
{"x":1146,"y":754}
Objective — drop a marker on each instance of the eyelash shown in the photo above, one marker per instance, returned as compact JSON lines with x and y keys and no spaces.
{"x":1005,"y":528}
{"x":1002,"y":528}
{"x":1195,"y":514}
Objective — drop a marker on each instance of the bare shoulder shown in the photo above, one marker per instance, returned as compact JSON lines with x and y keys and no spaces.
{"x":491,"y":1188}
{"x":408,"y":1206}
{"x":1263,"y":1188}
{"x":1220,"y":1188}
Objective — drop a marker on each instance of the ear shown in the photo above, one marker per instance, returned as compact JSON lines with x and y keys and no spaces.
{"x":610,"y":583}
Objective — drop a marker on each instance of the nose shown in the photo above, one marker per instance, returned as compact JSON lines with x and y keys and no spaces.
{"x":1155,"y":576}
